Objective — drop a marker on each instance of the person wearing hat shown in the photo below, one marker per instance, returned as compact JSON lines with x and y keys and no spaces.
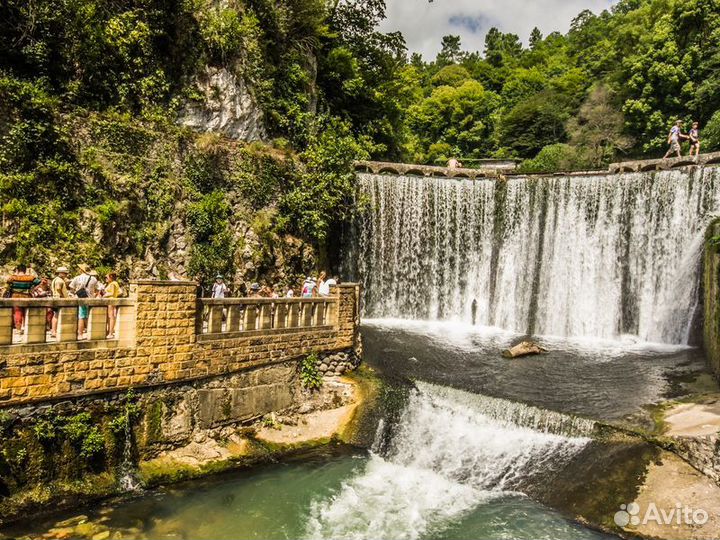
{"x":58,"y":289}
{"x":219,"y":289}
{"x":255,"y":290}
{"x":84,"y":285}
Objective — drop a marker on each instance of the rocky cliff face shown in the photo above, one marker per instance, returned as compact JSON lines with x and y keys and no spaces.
{"x":227,"y":107}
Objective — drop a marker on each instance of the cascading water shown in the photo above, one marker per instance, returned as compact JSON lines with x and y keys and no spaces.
{"x":597,"y":256}
{"x":452,"y":452}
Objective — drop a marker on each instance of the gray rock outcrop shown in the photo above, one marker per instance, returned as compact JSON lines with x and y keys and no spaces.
{"x":228,"y":107}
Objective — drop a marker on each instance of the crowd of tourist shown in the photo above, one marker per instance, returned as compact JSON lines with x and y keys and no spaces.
{"x":310,"y":287}
{"x":24,"y":282}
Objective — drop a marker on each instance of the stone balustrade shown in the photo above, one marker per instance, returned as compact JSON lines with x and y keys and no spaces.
{"x":35,"y":315}
{"x":228,"y":317}
{"x":165,"y":334}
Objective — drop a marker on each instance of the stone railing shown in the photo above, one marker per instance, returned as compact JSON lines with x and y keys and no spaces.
{"x":36,"y":319}
{"x":236,"y":316}
{"x":648,"y":165}
{"x":166,"y":334}
{"x":380,"y":167}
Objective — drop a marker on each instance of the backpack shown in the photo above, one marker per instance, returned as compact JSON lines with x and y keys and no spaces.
{"x":83,"y":292}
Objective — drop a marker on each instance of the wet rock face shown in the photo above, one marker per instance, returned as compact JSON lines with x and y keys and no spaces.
{"x":228,"y":107}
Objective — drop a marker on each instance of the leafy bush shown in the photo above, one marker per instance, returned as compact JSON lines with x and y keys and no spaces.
{"x":213,"y":248}
{"x":310,"y":377}
{"x":80,"y":430}
{"x":554,"y":157}
{"x":711,"y":134}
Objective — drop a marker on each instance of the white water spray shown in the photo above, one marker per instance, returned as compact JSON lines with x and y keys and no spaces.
{"x":453,"y":451}
{"x":571,"y":256}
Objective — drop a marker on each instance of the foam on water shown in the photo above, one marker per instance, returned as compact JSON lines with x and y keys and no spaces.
{"x":463,"y":335}
{"x":453,"y":452}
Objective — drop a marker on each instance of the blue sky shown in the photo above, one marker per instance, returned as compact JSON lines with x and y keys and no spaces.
{"x":424,"y":23}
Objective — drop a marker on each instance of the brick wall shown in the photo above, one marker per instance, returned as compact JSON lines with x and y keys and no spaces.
{"x":159,"y":344}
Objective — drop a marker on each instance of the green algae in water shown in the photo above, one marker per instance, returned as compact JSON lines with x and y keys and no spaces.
{"x":277,"y":501}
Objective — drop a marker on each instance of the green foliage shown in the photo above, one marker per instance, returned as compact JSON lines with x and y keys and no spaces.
{"x":213,"y":249}
{"x":534,"y":123}
{"x":554,"y":157}
{"x":310,"y":377}
{"x":131,"y":411}
{"x":86,"y":436}
{"x":711,"y":134}
{"x":459,"y":117}
{"x":46,"y":429}
{"x":323,"y":193}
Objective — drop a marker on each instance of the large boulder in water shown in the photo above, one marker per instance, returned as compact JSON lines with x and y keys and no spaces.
{"x":524,"y":348}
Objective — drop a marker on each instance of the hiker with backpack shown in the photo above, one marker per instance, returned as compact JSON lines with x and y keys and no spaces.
{"x":84,"y":285}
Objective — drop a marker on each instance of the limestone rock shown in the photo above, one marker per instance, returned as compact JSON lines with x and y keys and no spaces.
{"x":228,"y":107}
{"x":524,"y":348}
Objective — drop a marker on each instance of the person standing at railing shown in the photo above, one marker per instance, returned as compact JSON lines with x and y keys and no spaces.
{"x":111,"y":290}
{"x":219,"y":288}
{"x":84,"y":285}
{"x":325,"y":284}
{"x":309,"y":287}
{"x":20,"y":285}
{"x":43,"y":291}
{"x":58,"y":289}
{"x":255,"y":290}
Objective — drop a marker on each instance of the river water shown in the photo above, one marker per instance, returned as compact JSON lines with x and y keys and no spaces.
{"x":464,"y":480}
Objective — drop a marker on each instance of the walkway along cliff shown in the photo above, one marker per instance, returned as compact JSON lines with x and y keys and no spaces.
{"x":182,"y":374}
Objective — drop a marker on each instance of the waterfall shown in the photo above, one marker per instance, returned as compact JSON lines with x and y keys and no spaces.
{"x":451,"y":452}
{"x":571,"y":256}
{"x":127,"y":473}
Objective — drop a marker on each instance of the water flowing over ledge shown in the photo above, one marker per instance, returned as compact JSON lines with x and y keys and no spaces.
{"x":597,"y":256}
{"x":452,"y":451}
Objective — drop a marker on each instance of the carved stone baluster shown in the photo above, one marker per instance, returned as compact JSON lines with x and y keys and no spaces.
{"x":6,"y":326}
{"x":233,"y":319}
{"x":35,"y":324}
{"x":265,"y":316}
{"x":293,"y":320}
{"x":319,"y":315}
{"x":281,"y":315}
{"x":97,"y":323}
{"x":215,"y":320}
{"x":250,"y":322}
{"x":67,"y":327}
{"x":307,"y":314}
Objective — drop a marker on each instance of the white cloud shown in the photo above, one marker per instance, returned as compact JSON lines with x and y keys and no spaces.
{"x":424,"y":23}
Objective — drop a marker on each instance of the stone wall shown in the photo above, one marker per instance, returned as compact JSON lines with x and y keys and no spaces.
{"x":701,"y":452}
{"x":711,"y":282}
{"x":161,"y":343}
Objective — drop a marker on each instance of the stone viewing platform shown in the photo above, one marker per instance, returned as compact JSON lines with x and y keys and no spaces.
{"x":165,"y":334}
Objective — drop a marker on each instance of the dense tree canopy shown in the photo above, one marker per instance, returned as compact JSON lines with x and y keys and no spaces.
{"x":332,"y":88}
